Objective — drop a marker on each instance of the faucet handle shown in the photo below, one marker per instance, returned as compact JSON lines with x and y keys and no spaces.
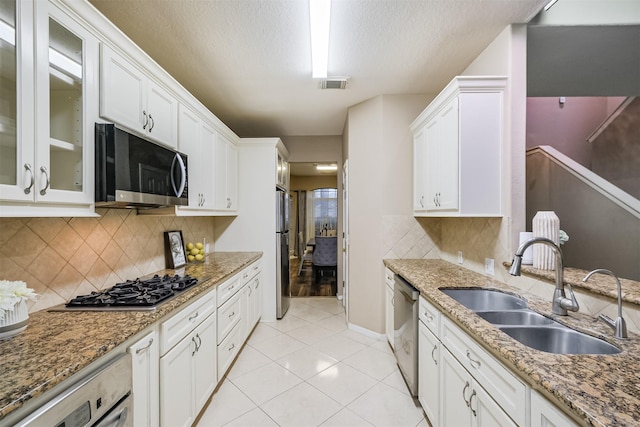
{"x":573,"y":306}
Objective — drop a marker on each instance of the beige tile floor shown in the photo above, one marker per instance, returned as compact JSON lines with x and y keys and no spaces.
{"x":309,"y":369}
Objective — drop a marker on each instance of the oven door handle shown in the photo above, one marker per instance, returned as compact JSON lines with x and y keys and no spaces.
{"x":115,"y":418}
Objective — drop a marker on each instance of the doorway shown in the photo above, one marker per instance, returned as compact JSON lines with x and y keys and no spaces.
{"x":314,"y":215}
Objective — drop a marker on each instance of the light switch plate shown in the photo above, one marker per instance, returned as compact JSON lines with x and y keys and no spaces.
{"x":488,"y":266}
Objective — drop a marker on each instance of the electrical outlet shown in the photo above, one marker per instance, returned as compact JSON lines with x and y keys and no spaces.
{"x":488,"y":266}
{"x":460,"y":257}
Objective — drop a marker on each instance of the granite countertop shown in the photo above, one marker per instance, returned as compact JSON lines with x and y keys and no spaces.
{"x":599,"y":390}
{"x":56,"y":345}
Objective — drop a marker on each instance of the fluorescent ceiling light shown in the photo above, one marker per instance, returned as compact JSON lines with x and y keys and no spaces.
{"x":327,"y":167}
{"x":551,"y":3}
{"x":319,"y":19}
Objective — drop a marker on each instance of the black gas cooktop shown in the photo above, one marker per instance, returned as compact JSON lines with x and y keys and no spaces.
{"x":136,"y":294}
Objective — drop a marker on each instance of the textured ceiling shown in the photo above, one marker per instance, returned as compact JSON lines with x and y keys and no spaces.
{"x":249,"y":61}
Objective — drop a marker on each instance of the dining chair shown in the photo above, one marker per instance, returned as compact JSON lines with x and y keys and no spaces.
{"x":305,"y":254}
{"x":325,"y":257}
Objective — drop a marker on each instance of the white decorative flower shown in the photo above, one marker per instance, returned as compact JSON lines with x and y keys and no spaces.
{"x":563,"y":237}
{"x":13,"y":292}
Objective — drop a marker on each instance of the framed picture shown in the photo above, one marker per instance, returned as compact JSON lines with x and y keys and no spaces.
{"x":174,"y":254}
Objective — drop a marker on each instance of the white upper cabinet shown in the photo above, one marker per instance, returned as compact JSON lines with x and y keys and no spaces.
{"x":197,"y":141}
{"x":132,"y":99}
{"x":49,"y":104}
{"x":458,"y":143}
{"x":226,"y":175}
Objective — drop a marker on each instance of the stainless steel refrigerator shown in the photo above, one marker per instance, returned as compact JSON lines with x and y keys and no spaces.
{"x":283,"y":291}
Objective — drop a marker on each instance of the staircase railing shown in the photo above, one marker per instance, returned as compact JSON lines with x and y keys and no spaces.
{"x":604,"y":187}
{"x":602,"y":126}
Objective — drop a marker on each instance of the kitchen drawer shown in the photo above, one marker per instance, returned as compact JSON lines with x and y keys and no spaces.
{"x":228,"y":349}
{"x":250,"y":272}
{"x":504,"y":387}
{"x":178,"y":326}
{"x":389,"y":277}
{"x":430,"y":316}
{"x":228,"y":316}
{"x":228,"y":288}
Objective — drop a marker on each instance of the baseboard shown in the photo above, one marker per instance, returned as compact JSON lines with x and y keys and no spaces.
{"x":366,"y":332}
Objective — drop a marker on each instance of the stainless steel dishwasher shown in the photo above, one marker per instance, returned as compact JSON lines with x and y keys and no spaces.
{"x":405,"y":331}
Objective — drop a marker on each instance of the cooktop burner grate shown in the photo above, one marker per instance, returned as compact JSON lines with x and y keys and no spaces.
{"x":135,"y":293}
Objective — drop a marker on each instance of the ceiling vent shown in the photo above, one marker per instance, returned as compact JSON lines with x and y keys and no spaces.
{"x":334,"y":83}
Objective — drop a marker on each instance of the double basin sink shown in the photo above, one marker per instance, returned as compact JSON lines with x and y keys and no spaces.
{"x":510,"y":314}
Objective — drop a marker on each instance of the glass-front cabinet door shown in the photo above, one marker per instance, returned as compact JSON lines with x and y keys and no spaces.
{"x":48,"y":108}
{"x":16,"y":86}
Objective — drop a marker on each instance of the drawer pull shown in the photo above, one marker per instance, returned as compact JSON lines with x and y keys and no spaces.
{"x":464,"y":391}
{"x":435,"y":347}
{"x":232,"y":314}
{"x":475,"y":363}
{"x":470,"y":406}
{"x":232,"y":347}
{"x":428,"y":316}
{"x":193,"y":317}
{"x":141,"y":349}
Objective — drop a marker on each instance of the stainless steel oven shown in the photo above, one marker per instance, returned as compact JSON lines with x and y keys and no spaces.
{"x":405,"y":331}
{"x":103,"y":398}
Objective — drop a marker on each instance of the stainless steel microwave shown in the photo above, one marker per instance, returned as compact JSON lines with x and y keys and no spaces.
{"x":134,"y":172}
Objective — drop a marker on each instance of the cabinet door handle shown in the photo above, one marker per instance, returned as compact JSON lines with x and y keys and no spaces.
{"x":199,"y":341}
{"x":475,"y":363}
{"x":393,"y":301}
{"x":141,"y":349}
{"x":151,"y":122}
{"x":193,"y":353}
{"x":146,"y":120}
{"x":250,"y":290}
{"x":193,"y":317}
{"x":48,"y":182}
{"x":435,"y":347}
{"x":473,"y":411}
{"x":464,"y":391}
{"x":32,"y":180}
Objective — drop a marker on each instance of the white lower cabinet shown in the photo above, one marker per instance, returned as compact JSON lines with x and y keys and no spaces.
{"x":145,"y":368}
{"x":389,"y":281}
{"x":464,"y":401}
{"x":545,"y":414}
{"x":429,"y":373}
{"x":188,"y":375}
{"x":461,"y":384}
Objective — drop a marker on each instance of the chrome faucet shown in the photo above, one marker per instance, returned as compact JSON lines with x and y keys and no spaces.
{"x":619,"y":325}
{"x":560,"y":303}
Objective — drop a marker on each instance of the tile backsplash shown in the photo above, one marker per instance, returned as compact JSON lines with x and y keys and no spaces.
{"x":63,"y":257}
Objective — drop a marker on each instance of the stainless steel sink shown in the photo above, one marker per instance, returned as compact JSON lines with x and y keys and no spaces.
{"x":515,"y":318}
{"x":485,"y":299}
{"x":558,"y":339}
{"x":510,"y":314}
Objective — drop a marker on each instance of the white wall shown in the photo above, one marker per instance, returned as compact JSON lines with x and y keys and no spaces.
{"x":380,"y":184}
